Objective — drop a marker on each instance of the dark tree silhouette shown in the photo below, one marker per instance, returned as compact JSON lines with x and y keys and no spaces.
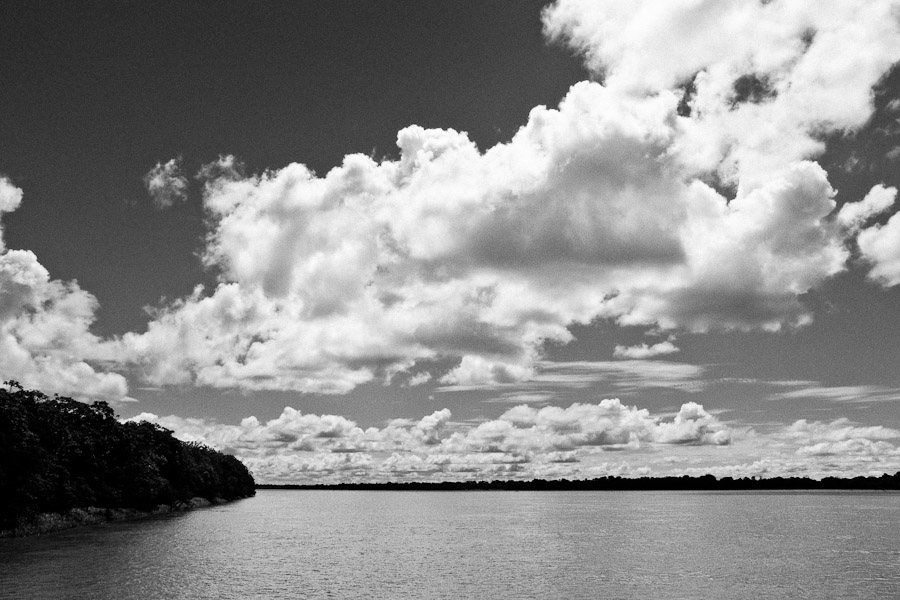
{"x":59,"y":454}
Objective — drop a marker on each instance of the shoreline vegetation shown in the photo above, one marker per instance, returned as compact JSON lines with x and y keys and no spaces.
{"x":684,"y":483}
{"x":66,"y":463}
{"x":51,"y":522}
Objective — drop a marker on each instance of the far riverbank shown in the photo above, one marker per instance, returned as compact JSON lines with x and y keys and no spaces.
{"x":685,"y":483}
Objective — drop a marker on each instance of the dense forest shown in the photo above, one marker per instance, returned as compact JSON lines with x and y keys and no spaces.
{"x":58,"y":454}
{"x":683,"y":483}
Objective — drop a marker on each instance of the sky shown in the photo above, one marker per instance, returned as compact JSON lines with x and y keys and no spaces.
{"x":360,"y":241}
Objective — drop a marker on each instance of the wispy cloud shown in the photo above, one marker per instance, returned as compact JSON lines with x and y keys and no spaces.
{"x":845,"y":393}
{"x":643,"y":351}
{"x":623,"y":375}
{"x":166,"y":184}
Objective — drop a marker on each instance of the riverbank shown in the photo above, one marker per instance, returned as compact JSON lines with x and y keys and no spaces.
{"x":707,"y":483}
{"x":80,"y":517}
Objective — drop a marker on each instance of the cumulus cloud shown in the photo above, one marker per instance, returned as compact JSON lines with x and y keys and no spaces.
{"x":880,"y":245}
{"x":419,"y":379}
{"x":166,"y":184}
{"x":854,"y":214}
{"x":678,"y":194}
{"x":10,"y":198}
{"x":582,"y":440}
{"x":644,"y":351}
{"x":523,"y":442}
{"x":843,"y":443}
{"x":762,"y":75}
{"x":815,"y":449}
{"x":45,"y":341}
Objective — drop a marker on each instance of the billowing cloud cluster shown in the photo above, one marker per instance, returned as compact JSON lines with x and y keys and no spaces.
{"x":582,"y":441}
{"x":45,"y":340}
{"x":678,"y":194}
{"x":523,"y":442}
{"x":840,"y":439}
{"x":812,"y":449}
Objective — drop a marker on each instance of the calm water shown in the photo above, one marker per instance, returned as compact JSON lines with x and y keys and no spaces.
{"x":334,"y":544}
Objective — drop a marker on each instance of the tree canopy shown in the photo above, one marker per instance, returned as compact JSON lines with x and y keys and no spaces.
{"x":59,"y":454}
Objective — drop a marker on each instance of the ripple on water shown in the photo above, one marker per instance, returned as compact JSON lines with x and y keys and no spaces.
{"x":348,"y":544}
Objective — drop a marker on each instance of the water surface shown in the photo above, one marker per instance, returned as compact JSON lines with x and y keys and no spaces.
{"x":368,"y":544}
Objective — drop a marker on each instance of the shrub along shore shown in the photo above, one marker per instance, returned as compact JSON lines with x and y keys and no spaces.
{"x":66,"y":463}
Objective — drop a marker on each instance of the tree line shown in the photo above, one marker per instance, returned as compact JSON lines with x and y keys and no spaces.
{"x":613,"y":483}
{"x":58,"y":454}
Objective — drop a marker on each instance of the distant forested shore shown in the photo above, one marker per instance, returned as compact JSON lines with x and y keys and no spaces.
{"x":66,"y":463}
{"x":683,"y":483}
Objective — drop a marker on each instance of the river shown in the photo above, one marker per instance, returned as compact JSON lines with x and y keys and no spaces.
{"x":371,"y":544}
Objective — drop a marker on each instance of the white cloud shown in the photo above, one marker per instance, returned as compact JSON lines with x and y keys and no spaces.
{"x":420,"y":378}
{"x":815,"y":449}
{"x":854,"y":214}
{"x":765,"y":74}
{"x":166,"y":184}
{"x":45,"y":342}
{"x":10,"y":198}
{"x":880,"y":245}
{"x":627,"y":376}
{"x":327,"y":281}
{"x":523,"y":442}
{"x":599,"y":208}
{"x":842,"y":441}
{"x":839,"y":430}
{"x":549,"y":442}
{"x":643,"y":351}
{"x":608,"y":423}
{"x":474,"y":370}
{"x":842,"y":393}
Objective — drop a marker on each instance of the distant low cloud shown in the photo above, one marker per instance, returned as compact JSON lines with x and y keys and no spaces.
{"x":842,"y":441}
{"x":583,"y":440}
{"x":839,"y":430}
{"x":166,"y":184}
{"x":644,"y":351}
{"x":815,"y":449}
{"x":523,"y":442}
{"x":844,"y":393}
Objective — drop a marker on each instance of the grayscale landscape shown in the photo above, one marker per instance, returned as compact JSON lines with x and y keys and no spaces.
{"x":384,"y":299}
